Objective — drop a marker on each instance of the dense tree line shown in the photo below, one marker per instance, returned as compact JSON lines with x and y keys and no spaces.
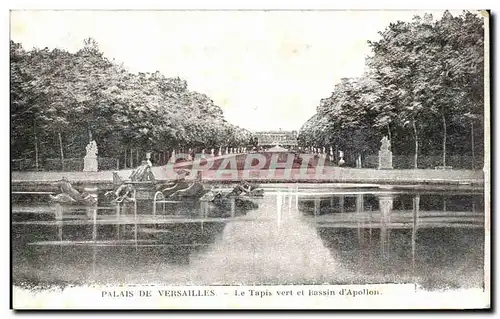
{"x":423,"y":88}
{"x":58,"y":98}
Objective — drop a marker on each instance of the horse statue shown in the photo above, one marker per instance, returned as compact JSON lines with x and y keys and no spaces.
{"x":69,"y":195}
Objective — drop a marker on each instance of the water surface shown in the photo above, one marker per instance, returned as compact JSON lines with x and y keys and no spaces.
{"x":306,"y":234}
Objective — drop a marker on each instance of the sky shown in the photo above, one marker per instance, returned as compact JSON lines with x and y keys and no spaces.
{"x":267,"y":70}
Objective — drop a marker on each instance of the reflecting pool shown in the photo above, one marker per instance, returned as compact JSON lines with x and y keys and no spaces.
{"x":295,"y":234}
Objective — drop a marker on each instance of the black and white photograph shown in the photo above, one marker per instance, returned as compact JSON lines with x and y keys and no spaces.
{"x":250,"y":159}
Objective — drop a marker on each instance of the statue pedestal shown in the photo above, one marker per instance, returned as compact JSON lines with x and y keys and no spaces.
{"x":385,"y":160}
{"x":90,"y":164}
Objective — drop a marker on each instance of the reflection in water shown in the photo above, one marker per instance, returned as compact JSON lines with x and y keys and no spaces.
{"x":385,"y":204}
{"x":291,"y":235}
{"x":434,"y":247}
{"x":275,"y":247}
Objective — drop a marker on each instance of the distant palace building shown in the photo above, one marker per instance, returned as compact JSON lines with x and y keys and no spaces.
{"x":281,"y":138}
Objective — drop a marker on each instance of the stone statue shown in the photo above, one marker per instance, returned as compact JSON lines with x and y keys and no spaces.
{"x":212,"y":152}
{"x":143,"y":173}
{"x":148,"y":158}
{"x":90,"y":159}
{"x":385,"y":154}
{"x":91,"y":149}
{"x":386,"y":144}
{"x":341,"y":161}
{"x":69,"y":195}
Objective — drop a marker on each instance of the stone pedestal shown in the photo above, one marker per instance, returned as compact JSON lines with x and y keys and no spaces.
{"x":90,"y":164}
{"x":385,"y":160}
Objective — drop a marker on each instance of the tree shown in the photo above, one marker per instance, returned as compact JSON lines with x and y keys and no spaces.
{"x":425,"y":62}
{"x":65,"y":95}
{"x":421,"y":75}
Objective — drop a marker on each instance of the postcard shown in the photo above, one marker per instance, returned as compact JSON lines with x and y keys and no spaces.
{"x":250,"y":159}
